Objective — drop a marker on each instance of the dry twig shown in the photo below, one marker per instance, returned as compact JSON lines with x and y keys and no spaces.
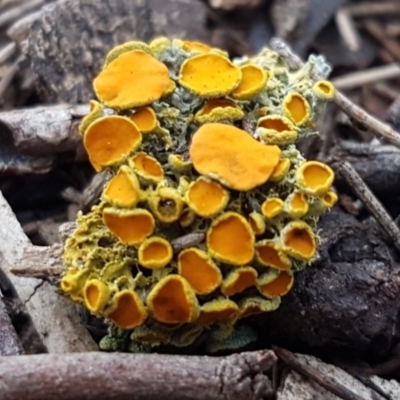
{"x":7,"y":51}
{"x":361,"y":78}
{"x":18,"y":11}
{"x":392,"y":29}
{"x":327,"y":382}
{"x":96,"y":375}
{"x":369,"y":8}
{"x":45,"y":262}
{"x":378,"y":32}
{"x":53,"y":316}
{"x":386,"y":90}
{"x":347,"y":30}
{"x":44,"y":130}
{"x":371,"y":202}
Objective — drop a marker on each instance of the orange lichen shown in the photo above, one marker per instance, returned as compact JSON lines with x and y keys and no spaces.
{"x":123,"y":48}
{"x":279,"y":286}
{"x":178,"y":163}
{"x":296,"y":205}
{"x":147,"y":167}
{"x":130,"y":226}
{"x":170,"y":89}
{"x":133,"y":79}
{"x":123,"y":190}
{"x":324,"y":90}
{"x":217,"y":310}
{"x":145,"y":334}
{"x":239,"y":280}
{"x":272,"y":207}
{"x":270,"y":253}
{"x":230,"y":239}
{"x":276,"y":129}
{"x":155,"y":252}
{"x":96,"y":111}
{"x":96,"y":294}
{"x":110,"y":139}
{"x":197,"y":47}
{"x":145,"y":119}
{"x":159,"y":44}
{"x":209,"y":75}
{"x":73,"y":283}
{"x":203,"y":217}
{"x":183,"y":186}
{"x":219,"y":110}
{"x":173,"y":301}
{"x":253,"y":81}
{"x":280,"y":170}
{"x":257,"y":305}
{"x":206,"y":197}
{"x":187,"y":218}
{"x":298,"y":240}
{"x":166,"y":204}
{"x":231,"y":156}
{"x":329,"y":199}
{"x":197,"y":267}
{"x":296,"y":107}
{"x":314,"y":177}
{"x":257,"y":223}
{"x":127,"y":310}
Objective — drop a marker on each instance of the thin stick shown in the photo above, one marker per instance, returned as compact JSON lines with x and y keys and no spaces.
{"x":347,"y":30}
{"x":366,"y":149}
{"x":361,"y":78}
{"x":368,"y":8}
{"x":326,"y":381}
{"x":371,"y":202}
{"x":378,"y":32}
{"x":45,"y":262}
{"x":392,"y":30}
{"x":377,"y":127}
{"x":385,"y":90}
{"x":189,"y":240}
{"x":388,"y":367}
{"x":18,"y":11}
{"x":7,"y":51}
{"x":8,"y":77}
{"x":19,"y":30}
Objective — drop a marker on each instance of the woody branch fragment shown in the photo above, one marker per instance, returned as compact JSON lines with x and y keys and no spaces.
{"x":137,"y":377}
{"x":51,"y":315}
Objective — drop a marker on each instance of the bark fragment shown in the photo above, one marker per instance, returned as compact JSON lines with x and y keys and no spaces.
{"x":51,"y":315}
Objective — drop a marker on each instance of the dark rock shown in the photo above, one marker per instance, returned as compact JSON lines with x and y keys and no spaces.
{"x":346,"y":303}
